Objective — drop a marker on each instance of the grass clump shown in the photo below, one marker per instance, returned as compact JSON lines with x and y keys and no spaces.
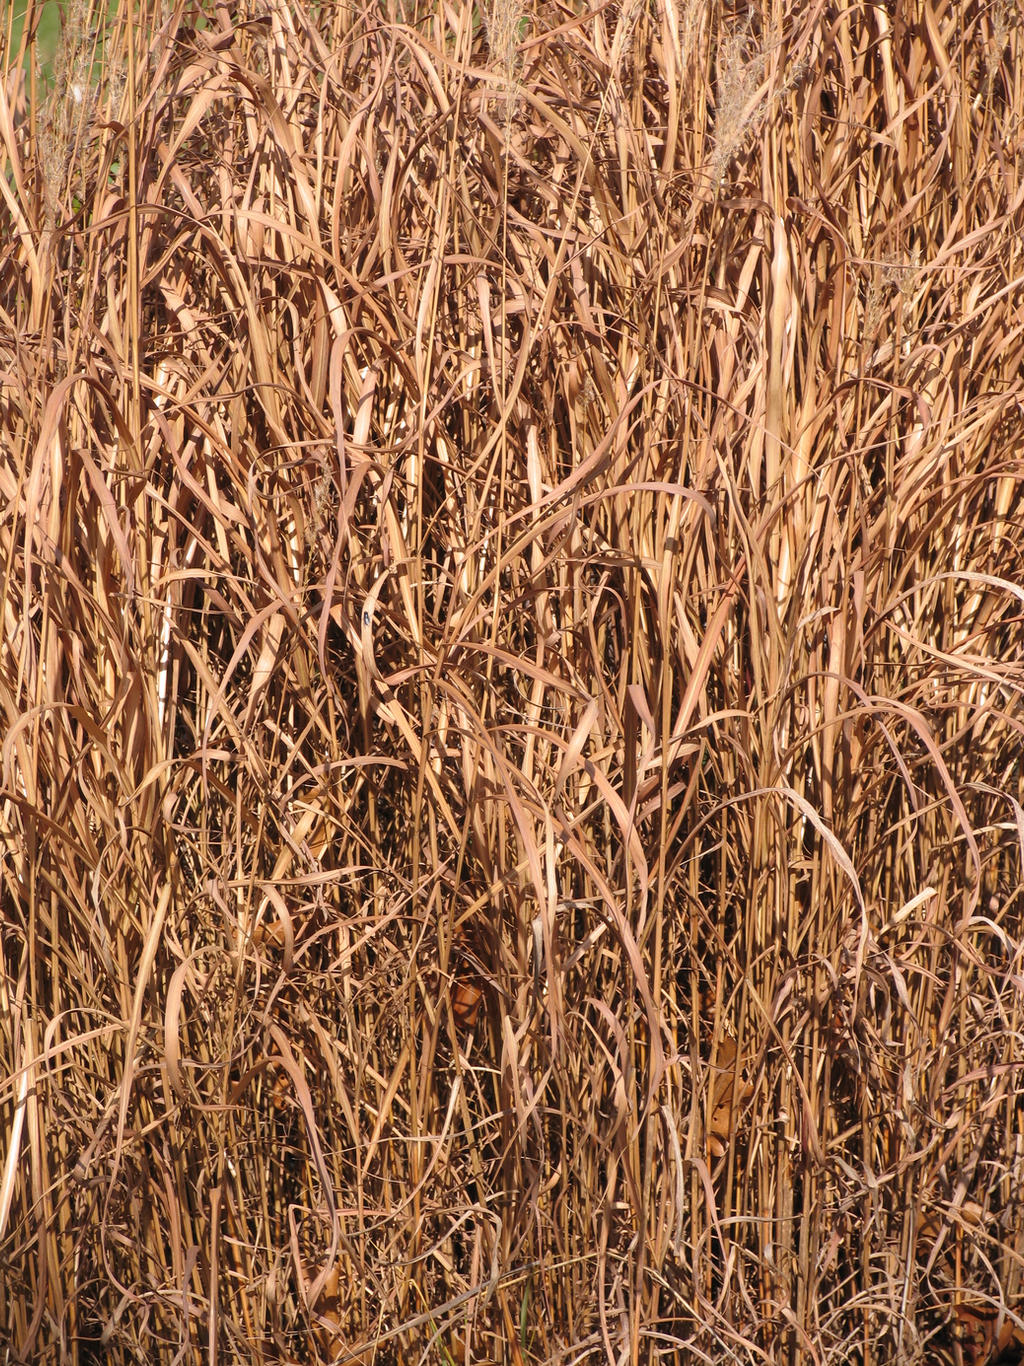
{"x":510,"y":788}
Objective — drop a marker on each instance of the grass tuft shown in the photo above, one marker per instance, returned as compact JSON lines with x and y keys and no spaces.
{"x":511,"y":830}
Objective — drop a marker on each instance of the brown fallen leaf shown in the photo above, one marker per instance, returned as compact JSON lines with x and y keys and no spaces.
{"x":466,"y":1000}
{"x":981,"y":1337}
{"x":723,"y":1101}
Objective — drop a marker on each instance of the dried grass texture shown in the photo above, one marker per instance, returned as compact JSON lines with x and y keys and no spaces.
{"x":511,"y":684}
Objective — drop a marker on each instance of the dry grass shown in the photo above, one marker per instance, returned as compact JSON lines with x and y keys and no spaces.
{"x":512,"y":661}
